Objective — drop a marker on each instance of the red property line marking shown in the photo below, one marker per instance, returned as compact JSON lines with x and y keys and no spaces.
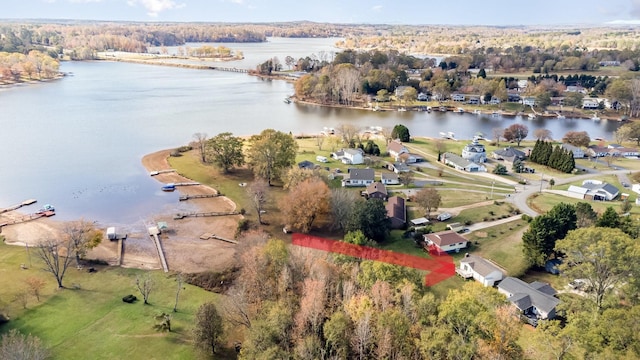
{"x":440,"y":267}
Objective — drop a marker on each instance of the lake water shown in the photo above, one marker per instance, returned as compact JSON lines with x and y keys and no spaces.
{"x":77,"y":143}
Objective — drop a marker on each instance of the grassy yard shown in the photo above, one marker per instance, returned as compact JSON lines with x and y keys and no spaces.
{"x":495,"y":211}
{"x":502,"y":244}
{"x":92,"y":321}
{"x":545,"y":201}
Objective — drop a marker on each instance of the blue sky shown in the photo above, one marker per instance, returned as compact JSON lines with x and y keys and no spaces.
{"x":461,"y":12}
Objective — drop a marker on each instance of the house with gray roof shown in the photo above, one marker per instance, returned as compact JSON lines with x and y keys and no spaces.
{"x":389,"y":178}
{"x":534,"y":300}
{"x":459,"y":163}
{"x":359,"y":177}
{"x":595,"y":190}
{"x":508,"y":154}
{"x":474,"y":152}
{"x":480,"y":269}
{"x":576,"y":151}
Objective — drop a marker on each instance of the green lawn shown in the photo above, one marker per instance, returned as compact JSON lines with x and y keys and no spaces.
{"x":545,"y":201}
{"x":495,"y":211}
{"x":396,"y":242}
{"x":92,"y":321}
{"x":502,"y":244}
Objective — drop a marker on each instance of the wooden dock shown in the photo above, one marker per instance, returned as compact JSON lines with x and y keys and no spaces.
{"x":180,"y":216}
{"x":186,"y":184}
{"x":158,"y":172}
{"x":229,"y":69}
{"x":201,"y":196}
{"x":207,"y":236}
{"x":18,"y":206}
{"x":154,"y":232}
{"x":29,"y":217}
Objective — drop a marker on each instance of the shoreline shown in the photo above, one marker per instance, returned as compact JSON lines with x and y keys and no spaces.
{"x":183,"y":245}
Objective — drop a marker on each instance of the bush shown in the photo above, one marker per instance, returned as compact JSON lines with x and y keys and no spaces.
{"x":243,"y":211}
{"x":130,"y":299}
{"x":468,"y":222}
{"x":184,"y":148}
{"x":217,"y":282}
{"x":243,"y":225}
{"x":527,"y":218}
{"x":492,"y":213}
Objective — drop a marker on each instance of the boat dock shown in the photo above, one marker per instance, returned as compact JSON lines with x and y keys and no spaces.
{"x":207,"y":236}
{"x":154,"y":232}
{"x":29,"y":217}
{"x":180,"y":216}
{"x":158,"y":172}
{"x":201,"y":196}
{"x":18,"y":206}
{"x":186,"y":184}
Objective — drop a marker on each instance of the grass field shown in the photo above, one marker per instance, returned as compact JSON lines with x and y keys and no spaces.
{"x":502,"y":244}
{"x":91,"y":321}
{"x":545,"y":201}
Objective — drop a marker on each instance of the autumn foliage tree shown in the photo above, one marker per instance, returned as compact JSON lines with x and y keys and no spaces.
{"x":516,"y":132}
{"x":305,"y":203}
{"x":577,"y":138}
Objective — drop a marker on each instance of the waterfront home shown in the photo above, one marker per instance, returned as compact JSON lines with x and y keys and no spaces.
{"x":474,"y":152}
{"x":590,"y":104}
{"x":597,"y":151}
{"x":459,"y":163}
{"x":529,"y":101}
{"x":359,"y":177}
{"x":395,"y":149}
{"x":397,"y":212}
{"x":480,"y":269}
{"x":534,"y":300}
{"x":576,"y":151}
{"x":445,"y":241}
{"x":457,"y":97}
{"x":508,"y":154}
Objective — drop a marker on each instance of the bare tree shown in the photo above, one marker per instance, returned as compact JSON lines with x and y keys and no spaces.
{"x":22,"y":298}
{"x":15,"y":345}
{"x":319,"y":141}
{"x":235,"y":307}
{"x":208,"y":328}
{"x":497,"y":134}
{"x":200,"y":140}
{"x":145,"y":286}
{"x":35,"y":285}
{"x":258,"y":193}
{"x":406,"y":178}
{"x":179,"y":288}
{"x":347,"y":132}
{"x":386,"y":133}
{"x":50,"y":252}
{"x":542,"y":134}
{"x":428,"y":199}
{"x":362,"y":335}
{"x":342,"y":201}
{"x":83,"y":236}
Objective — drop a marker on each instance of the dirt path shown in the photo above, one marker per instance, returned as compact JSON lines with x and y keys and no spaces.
{"x":183,"y":248}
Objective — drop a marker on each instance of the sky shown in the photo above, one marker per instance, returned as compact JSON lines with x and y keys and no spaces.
{"x":414,"y":12}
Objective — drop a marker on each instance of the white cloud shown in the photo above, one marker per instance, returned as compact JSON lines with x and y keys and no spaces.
{"x":155,"y":7}
{"x":377,"y":8}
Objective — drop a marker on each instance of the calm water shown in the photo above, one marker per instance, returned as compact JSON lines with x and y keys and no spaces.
{"x":77,"y":143}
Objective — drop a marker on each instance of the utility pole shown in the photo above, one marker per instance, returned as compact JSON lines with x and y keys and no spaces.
{"x":492,"y":183}
{"x":541,"y":178}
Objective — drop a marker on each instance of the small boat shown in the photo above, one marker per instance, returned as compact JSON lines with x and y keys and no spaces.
{"x":496,"y":113}
{"x":460,"y":111}
{"x":402,"y":109}
{"x":169,"y":187}
{"x":47,"y":210}
{"x":531,"y":116}
{"x":428,"y":108}
{"x":448,"y":135}
{"x":595,"y":117}
{"x":442,"y":108}
{"x":479,"y":136}
{"x":287,"y":100}
{"x":477,"y":112}
{"x":560,"y":116}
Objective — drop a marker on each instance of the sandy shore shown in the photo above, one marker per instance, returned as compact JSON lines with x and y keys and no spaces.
{"x":184,"y":250}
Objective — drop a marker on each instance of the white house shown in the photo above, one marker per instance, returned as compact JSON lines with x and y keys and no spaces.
{"x":594,"y":190}
{"x":395,"y":149}
{"x":474,"y":152}
{"x":359,"y":177}
{"x":480,"y":269}
{"x":529,"y":101}
{"x":576,"y":151}
{"x":534,"y":300}
{"x":445,"y":241}
{"x":353,"y":157}
{"x":589,"y":103}
{"x":459,"y":163}
{"x":389,"y":178}
{"x":457,"y":97}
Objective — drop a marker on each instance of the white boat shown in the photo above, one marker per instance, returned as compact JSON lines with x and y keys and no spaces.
{"x":442,"y":108}
{"x":428,"y":108}
{"x":595,"y":117}
{"x":447,"y":135}
{"x":402,"y":109}
{"x":477,"y":112}
{"x":560,"y":116}
{"x":460,"y":110}
{"x":531,"y":117}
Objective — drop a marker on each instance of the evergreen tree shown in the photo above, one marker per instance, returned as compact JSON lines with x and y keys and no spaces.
{"x":547,"y":150}
{"x":482,"y":74}
{"x":609,"y":219}
{"x":535,"y":153}
{"x":555,"y":158}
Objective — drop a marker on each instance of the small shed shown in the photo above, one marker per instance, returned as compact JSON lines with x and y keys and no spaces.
{"x":111,"y":233}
